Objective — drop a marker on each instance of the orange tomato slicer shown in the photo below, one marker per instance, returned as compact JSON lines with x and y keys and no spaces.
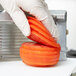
{"x":45,"y":51}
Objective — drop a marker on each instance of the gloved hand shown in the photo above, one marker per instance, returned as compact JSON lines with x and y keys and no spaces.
{"x":38,"y":8}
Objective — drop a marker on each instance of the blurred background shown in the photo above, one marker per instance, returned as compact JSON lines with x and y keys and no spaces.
{"x":70,"y":7}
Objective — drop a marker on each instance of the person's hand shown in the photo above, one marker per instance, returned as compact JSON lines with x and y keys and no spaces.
{"x":37,"y":8}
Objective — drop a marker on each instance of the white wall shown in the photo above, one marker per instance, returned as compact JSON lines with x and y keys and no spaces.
{"x":70,"y":7}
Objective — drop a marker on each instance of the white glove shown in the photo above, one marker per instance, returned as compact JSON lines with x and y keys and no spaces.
{"x":38,"y":8}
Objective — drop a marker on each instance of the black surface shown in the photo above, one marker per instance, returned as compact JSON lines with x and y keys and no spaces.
{"x":71,"y":54}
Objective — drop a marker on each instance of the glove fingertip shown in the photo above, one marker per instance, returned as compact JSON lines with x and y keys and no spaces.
{"x":26,"y":31}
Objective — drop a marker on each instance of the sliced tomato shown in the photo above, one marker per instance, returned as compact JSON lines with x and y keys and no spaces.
{"x":40,"y":34}
{"x":37,"y":54}
{"x":45,"y":51}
